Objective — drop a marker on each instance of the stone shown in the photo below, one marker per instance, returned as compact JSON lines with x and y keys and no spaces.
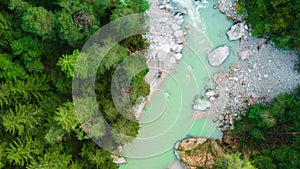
{"x":210,"y":93}
{"x":177,"y":48}
{"x":201,"y":104}
{"x":163,"y":19}
{"x":236,"y":31}
{"x":233,"y":68}
{"x":245,"y":54}
{"x":178,"y":34}
{"x":175,"y":27}
{"x":187,"y":26}
{"x":215,"y":119}
{"x":180,"y":21}
{"x":184,"y":11}
{"x":180,"y":40}
{"x":163,"y":6}
{"x":119,"y":160}
{"x":217,"y":56}
{"x":178,"y":56}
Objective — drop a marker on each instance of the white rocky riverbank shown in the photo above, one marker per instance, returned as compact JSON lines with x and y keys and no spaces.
{"x":261,"y":73}
{"x":166,"y":37}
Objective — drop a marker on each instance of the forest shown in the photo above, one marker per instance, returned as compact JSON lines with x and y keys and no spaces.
{"x":276,"y":20}
{"x":267,"y":137}
{"x":40,"y":43}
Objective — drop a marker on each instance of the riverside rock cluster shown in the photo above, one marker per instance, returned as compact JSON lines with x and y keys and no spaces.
{"x":261,"y":73}
{"x":227,"y":7}
{"x":166,"y":37}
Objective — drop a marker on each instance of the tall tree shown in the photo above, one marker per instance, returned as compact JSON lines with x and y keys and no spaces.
{"x":39,"y":21}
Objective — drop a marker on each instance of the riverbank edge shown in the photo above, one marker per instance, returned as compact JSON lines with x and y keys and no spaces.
{"x":224,"y":80}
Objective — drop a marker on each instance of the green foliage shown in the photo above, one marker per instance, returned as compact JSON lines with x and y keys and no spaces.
{"x":286,"y":157}
{"x":28,"y":50}
{"x":10,"y":70}
{"x":97,"y":157}
{"x":22,"y":119}
{"x":23,"y":91}
{"x":53,"y":160}
{"x":19,"y":5}
{"x":21,"y":151}
{"x":233,"y":161}
{"x":270,"y":133}
{"x":54,"y":135}
{"x":39,"y":21}
{"x":264,"y":162}
{"x":67,"y":29}
{"x":67,"y":63}
{"x":279,"y":20}
{"x":39,"y":126}
{"x":5,"y":32}
{"x":66,"y":117}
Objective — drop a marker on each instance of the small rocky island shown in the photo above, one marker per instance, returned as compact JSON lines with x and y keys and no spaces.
{"x":199,"y":152}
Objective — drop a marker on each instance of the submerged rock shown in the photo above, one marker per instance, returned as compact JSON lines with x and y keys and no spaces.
{"x":217,"y":56}
{"x":199,"y":152}
{"x":236,"y":31}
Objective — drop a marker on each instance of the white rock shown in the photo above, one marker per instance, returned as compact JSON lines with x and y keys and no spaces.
{"x":119,"y":160}
{"x":236,"y":31}
{"x":177,"y":48}
{"x":163,"y":19}
{"x":178,"y":34}
{"x":180,"y":21}
{"x":210,"y":93}
{"x":184,"y":11}
{"x":175,"y":27}
{"x":178,"y":56}
{"x":217,"y":56}
{"x":187,"y":26}
{"x":245,"y":54}
{"x":202,"y":105}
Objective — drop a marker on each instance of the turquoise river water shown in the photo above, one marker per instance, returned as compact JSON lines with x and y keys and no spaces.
{"x":168,"y":118}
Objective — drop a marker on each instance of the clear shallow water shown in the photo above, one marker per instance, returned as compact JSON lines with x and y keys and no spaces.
{"x":168,"y":118}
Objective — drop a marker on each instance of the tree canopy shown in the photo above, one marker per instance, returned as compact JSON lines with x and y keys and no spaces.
{"x":39,"y":48}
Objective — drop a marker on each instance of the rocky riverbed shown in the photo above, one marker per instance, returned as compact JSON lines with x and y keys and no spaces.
{"x":166,"y":36}
{"x":261,"y":73}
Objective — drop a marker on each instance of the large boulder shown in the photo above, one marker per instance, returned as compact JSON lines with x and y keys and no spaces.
{"x":201,"y":104}
{"x":236,"y":31}
{"x":217,"y":56}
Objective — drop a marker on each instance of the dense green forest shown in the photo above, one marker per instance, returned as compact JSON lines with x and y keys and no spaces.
{"x":277,"y":20}
{"x":268,"y":137}
{"x":40,"y":43}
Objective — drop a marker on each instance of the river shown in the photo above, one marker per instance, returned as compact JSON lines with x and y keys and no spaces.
{"x":168,"y":117}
